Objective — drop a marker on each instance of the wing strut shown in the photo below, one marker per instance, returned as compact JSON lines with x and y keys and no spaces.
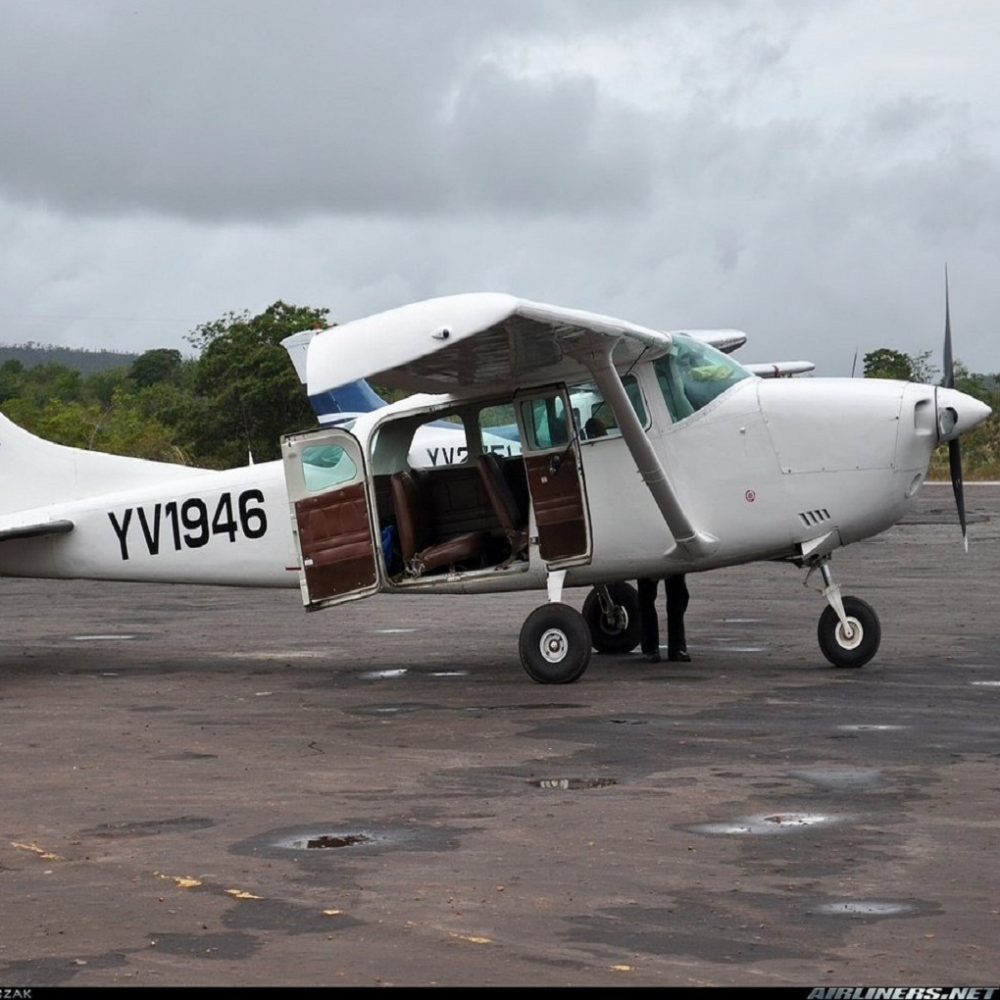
{"x":689,"y":540}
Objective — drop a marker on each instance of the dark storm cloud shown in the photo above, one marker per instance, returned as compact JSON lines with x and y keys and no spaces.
{"x":799,"y":168}
{"x":530,"y":146}
{"x":202,"y":111}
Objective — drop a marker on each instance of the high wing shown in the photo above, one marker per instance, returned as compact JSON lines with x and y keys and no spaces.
{"x":481,"y":340}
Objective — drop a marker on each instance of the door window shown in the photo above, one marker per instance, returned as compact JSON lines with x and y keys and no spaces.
{"x":325,"y":466}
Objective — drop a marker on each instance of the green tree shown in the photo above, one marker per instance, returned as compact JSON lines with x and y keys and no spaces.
{"x":158,"y":365}
{"x":11,"y":379}
{"x":247,"y":393}
{"x":887,"y":363}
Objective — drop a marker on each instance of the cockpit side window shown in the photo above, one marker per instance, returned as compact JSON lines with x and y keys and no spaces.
{"x":692,"y":374}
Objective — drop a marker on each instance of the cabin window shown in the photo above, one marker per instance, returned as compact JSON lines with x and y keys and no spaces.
{"x":545,"y":417}
{"x":692,"y":374}
{"x":498,"y":430}
{"x":325,"y":466}
{"x":592,"y":414}
{"x":545,"y":420}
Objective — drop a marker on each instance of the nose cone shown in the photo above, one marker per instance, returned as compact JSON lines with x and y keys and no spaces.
{"x":958,"y":413}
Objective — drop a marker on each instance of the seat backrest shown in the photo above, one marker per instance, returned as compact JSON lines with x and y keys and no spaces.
{"x":411,"y":517}
{"x":502,"y":498}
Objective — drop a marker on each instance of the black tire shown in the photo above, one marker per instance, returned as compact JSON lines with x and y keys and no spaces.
{"x":608,"y":636}
{"x":858,"y":650}
{"x":554,"y":644}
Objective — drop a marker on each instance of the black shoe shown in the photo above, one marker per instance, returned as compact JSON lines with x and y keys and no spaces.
{"x":679,"y":656}
{"x":653,"y":657}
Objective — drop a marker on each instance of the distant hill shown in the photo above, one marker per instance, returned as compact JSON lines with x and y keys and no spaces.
{"x":87,"y":362}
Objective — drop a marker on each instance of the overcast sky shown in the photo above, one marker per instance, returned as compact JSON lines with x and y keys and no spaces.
{"x":800,"y":170}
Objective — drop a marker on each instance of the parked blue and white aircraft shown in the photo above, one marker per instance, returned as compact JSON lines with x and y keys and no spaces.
{"x":639,"y":453}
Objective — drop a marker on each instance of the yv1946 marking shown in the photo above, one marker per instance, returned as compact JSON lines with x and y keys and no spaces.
{"x":187,"y":524}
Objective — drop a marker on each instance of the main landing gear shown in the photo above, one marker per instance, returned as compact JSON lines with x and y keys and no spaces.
{"x":612,"y":615}
{"x":555,"y":640}
{"x":849,"y":632}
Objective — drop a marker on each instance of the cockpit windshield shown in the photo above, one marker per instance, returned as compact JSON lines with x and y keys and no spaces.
{"x":693,"y":373}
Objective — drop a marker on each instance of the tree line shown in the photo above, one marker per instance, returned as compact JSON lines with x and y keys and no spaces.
{"x":233,"y":400}
{"x":240,"y":393}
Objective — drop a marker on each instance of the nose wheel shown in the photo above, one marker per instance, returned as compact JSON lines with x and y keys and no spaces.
{"x":853,"y":642}
{"x":849,"y":631}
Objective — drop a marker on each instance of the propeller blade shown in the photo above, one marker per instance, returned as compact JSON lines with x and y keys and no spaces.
{"x":949,"y":364}
{"x":954,"y":446}
{"x":955,"y":465}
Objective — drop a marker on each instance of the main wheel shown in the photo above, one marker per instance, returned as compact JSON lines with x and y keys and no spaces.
{"x":619,"y":632}
{"x":554,"y":644}
{"x":860,"y":645}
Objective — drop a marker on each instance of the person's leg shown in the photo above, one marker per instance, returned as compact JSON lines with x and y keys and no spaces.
{"x":649,"y":626}
{"x":677,"y":602}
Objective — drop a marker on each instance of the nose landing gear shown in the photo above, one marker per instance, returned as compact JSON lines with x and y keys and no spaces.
{"x":849,"y":631}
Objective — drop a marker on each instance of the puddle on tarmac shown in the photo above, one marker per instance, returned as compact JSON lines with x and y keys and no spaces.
{"x":841,"y":777}
{"x":767,"y":824}
{"x":863,"y":908}
{"x":862,"y":728}
{"x":573,"y":784}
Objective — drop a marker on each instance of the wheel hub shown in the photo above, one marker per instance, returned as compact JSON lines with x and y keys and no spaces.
{"x":850,"y":639}
{"x":553,"y":645}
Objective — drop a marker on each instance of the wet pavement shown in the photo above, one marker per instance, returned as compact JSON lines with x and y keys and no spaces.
{"x":206,"y":786}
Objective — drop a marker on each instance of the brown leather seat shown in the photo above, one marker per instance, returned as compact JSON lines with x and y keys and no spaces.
{"x":420,"y":553}
{"x":512,"y":518}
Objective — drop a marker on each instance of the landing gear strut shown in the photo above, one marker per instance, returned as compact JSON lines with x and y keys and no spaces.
{"x":849,"y":631}
{"x":612,"y":614}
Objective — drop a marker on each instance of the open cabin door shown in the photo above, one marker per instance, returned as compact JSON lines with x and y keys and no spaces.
{"x":331,"y":521}
{"x":550,"y":446}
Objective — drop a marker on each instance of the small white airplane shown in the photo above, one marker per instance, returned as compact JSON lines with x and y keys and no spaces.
{"x":640,"y":453}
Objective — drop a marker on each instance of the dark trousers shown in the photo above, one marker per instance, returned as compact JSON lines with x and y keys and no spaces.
{"x":677,"y":602}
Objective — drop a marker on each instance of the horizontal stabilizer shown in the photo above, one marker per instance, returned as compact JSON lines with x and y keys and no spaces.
{"x":10,"y":531}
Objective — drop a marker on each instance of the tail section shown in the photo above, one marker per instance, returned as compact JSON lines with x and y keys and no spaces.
{"x":334,"y":405}
{"x":38,"y":473}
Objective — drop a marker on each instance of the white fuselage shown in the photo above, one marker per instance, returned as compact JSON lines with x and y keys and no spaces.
{"x":770,"y":469}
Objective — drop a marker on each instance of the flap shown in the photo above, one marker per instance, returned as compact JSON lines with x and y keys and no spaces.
{"x":482,"y":340}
